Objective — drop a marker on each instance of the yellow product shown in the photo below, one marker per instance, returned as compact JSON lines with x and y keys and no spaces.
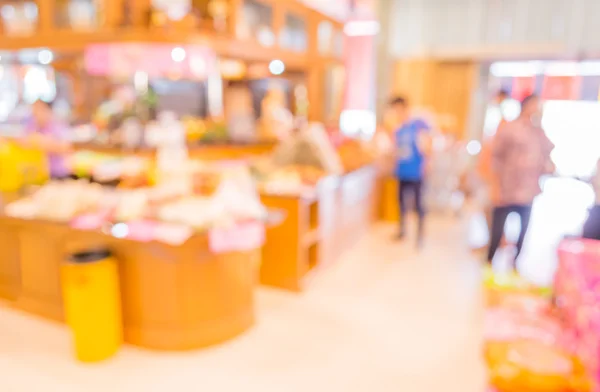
{"x":92,"y":304}
{"x":153,"y":175}
{"x":500,"y":283}
{"x":10,"y":177}
{"x":19,"y":167}
{"x":529,"y":366}
{"x":35,"y":166}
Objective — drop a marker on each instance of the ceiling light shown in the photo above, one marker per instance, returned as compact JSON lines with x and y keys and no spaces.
{"x":178,"y":54}
{"x":277,"y":67}
{"x":473,"y":147}
{"x":45,"y":57}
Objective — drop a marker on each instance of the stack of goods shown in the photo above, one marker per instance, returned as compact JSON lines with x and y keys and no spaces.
{"x":130,"y":121}
{"x":198,"y":130}
{"x":528,"y":348}
{"x":128,"y":172}
{"x":577,"y":298}
{"x":297,"y":165}
{"x":59,"y":201}
{"x":286,"y":180}
{"x":216,"y":200}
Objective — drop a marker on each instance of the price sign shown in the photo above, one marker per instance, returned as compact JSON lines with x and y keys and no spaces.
{"x":142,"y":230}
{"x":522,"y":86}
{"x":242,"y":237}
{"x":91,"y":221}
{"x":172,"y":234}
{"x":561,"y":88}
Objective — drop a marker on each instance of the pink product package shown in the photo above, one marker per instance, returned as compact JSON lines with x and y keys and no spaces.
{"x":577,"y":288}
{"x":507,"y":325}
{"x":577,"y":279}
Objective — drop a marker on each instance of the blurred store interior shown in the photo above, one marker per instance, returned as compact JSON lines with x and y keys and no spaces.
{"x":213,"y":195}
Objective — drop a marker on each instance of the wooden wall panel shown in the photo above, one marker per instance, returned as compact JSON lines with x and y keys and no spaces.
{"x":445,"y":88}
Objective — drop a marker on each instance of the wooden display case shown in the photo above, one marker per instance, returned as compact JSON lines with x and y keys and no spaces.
{"x":248,"y":30}
{"x":173,"y":298}
{"x":291,"y":251}
{"x":318,"y":229}
{"x":389,"y":199}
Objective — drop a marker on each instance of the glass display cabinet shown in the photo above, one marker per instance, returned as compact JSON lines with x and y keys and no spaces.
{"x":256,"y":23}
{"x":18,"y":18}
{"x":256,"y":32}
{"x":294,"y":35}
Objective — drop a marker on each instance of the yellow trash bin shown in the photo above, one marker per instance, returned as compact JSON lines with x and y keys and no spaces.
{"x":92,"y":302}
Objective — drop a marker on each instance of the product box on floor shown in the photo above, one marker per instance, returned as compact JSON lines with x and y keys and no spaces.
{"x":529,"y":348}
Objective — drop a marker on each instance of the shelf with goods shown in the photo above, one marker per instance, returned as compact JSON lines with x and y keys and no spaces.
{"x":545,"y":338}
{"x":327,"y":209}
{"x":319,"y":228}
{"x":181,"y":262}
{"x":291,"y":250}
{"x":236,"y":30}
{"x":206,"y":152}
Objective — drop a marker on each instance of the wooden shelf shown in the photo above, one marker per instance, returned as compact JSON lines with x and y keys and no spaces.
{"x":117,"y":26}
{"x":317,"y":231}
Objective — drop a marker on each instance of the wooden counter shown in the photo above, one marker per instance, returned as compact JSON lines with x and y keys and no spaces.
{"x":173,"y":298}
{"x":291,"y":249}
{"x":211,"y":152}
{"x":389,"y":201}
{"x":318,"y":229}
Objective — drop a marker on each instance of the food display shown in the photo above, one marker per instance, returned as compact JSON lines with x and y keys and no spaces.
{"x":129,"y":120}
{"x":58,"y":201}
{"x":127,"y":171}
{"x":530,"y":366}
{"x":285,"y":180}
{"x":298,"y":164}
{"x":529,"y":347}
{"x":506,"y":325}
{"x":230,"y":198}
{"x":498,"y":285}
{"x":577,"y":298}
{"x":204,"y":131}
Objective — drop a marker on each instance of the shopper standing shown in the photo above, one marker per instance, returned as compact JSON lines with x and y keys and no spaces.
{"x":495,"y":118}
{"x":412,"y":146}
{"x":520,"y":157}
{"x":45,"y":132}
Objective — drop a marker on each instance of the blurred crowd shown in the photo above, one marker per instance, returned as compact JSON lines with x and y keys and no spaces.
{"x":437,"y":171}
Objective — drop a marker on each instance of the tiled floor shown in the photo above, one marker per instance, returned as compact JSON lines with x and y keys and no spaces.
{"x":385,"y":318}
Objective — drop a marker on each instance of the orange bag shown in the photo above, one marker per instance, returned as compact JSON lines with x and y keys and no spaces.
{"x":528,"y":366}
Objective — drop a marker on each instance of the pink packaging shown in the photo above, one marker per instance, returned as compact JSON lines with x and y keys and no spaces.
{"x":577,"y":291}
{"x":507,"y":325}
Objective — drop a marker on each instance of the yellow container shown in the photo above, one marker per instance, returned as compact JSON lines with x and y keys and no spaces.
{"x":92,"y":302}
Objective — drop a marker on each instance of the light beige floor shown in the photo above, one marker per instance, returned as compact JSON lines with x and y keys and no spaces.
{"x":383,"y":319}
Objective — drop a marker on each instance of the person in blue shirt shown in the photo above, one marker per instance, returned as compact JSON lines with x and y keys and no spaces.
{"x":412,"y":146}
